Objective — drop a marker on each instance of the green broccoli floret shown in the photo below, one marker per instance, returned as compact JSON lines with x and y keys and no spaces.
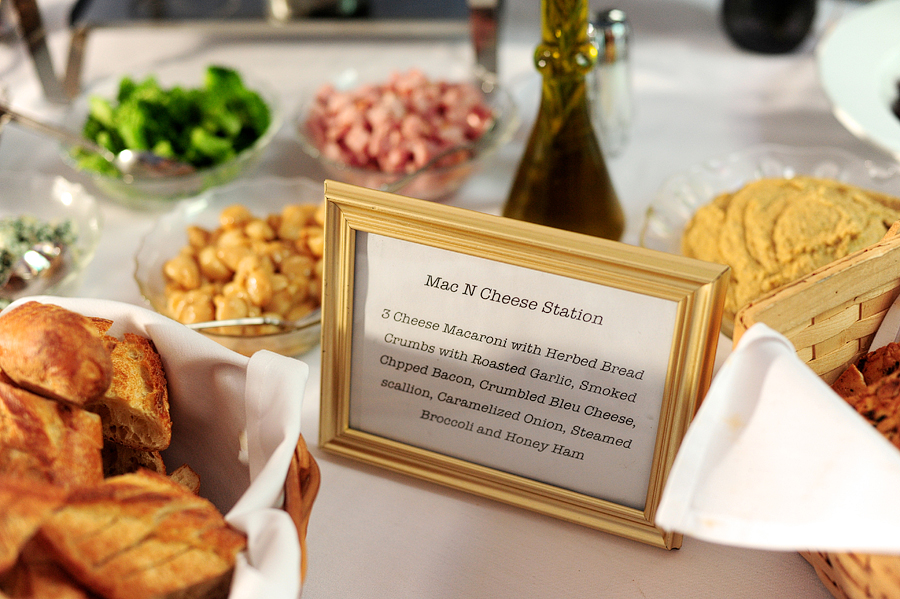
{"x":217,"y":149}
{"x":101,"y":111}
{"x":132,"y":120}
{"x":202,"y":126}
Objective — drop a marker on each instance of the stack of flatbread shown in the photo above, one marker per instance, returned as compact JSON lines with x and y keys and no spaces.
{"x":87,"y":508}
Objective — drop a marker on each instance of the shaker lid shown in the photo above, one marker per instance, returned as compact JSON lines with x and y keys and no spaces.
{"x":612,"y":34}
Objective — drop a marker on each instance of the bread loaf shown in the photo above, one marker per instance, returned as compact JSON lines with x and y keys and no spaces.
{"x":24,"y":505}
{"x":54,"y":352}
{"x":37,"y":575}
{"x":47,"y":441}
{"x":142,"y":536}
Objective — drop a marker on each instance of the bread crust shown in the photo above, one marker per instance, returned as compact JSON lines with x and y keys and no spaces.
{"x":25,"y":506}
{"x":186,"y":477}
{"x":36,"y":575}
{"x":142,"y":536}
{"x":46,"y":441}
{"x":54,"y":352}
{"x":872,"y":387}
{"x":880,"y":362}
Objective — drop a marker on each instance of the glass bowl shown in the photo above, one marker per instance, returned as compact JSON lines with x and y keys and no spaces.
{"x":54,"y":200}
{"x":149,"y":193}
{"x":432,"y":182}
{"x":261,"y":196}
{"x":682,"y":194}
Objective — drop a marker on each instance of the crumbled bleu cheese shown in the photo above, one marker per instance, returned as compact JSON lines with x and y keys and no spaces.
{"x":18,"y":234}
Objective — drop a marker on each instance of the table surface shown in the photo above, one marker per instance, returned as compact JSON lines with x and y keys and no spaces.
{"x":378,"y":534}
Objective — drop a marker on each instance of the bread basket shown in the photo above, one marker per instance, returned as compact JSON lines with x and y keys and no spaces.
{"x":831,"y":317}
{"x":236,"y":422}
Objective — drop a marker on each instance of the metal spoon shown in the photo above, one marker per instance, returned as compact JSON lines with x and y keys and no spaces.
{"x":131,"y":163}
{"x":35,"y":271}
{"x":311,"y":319}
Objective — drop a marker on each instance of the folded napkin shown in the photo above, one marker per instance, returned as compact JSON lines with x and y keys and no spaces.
{"x":775,"y":459}
{"x":217,"y":398}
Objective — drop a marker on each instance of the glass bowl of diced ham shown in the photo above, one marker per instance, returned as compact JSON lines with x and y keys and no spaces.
{"x":407,"y":132}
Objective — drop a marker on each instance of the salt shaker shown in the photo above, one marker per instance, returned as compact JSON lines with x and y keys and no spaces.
{"x":609,"y":83}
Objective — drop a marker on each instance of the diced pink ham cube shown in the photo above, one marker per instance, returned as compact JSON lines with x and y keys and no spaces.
{"x":396,"y":126}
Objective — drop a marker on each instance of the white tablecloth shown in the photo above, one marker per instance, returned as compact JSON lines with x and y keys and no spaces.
{"x":375,"y":534}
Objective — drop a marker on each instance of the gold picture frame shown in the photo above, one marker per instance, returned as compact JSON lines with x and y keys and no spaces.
{"x":501,"y":358}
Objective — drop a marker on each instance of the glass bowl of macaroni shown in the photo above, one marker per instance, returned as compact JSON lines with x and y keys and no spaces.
{"x":250,"y":248}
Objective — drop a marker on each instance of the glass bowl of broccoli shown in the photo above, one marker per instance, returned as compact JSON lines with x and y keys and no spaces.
{"x":212,"y":118}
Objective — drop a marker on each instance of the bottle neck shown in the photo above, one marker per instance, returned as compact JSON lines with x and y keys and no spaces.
{"x":565,"y":51}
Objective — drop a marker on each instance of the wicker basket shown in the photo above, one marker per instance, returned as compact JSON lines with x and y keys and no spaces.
{"x":831,"y":317}
{"x":300,"y":489}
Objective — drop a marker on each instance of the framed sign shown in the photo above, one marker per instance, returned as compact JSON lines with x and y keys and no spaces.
{"x":546,"y":369}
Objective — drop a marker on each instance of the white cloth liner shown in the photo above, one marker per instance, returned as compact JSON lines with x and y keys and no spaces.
{"x":215,"y":394}
{"x":775,"y":459}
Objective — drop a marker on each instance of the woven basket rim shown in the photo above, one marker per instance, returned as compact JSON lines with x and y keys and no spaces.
{"x":301,"y":486}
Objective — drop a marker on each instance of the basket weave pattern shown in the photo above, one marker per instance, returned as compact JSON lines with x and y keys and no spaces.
{"x":831,"y":317}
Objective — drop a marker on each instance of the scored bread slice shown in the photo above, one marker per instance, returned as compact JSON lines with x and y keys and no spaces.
{"x":47,"y":441}
{"x":54,"y":352}
{"x":142,"y":536}
{"x":135,"y":407}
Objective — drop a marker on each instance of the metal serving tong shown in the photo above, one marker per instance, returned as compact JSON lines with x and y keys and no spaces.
{"x":310,"y":320}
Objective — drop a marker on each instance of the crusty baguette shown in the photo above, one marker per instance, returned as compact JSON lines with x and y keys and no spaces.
{"x":48,"y":441}
{"x":135,"y":407}
{"x":142,"y":536}
{"x":25,"y":505}
{"x":54,"y":352}
{"x":121,"y":459}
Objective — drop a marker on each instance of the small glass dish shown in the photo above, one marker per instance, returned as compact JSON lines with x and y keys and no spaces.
{"x":54,"y":200}
{"x":261,"y":196}
{"x":152,"y":194}
{"x":430,"y":183}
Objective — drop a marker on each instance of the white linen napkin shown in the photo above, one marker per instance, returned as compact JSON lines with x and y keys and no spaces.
{"x":776,"y":460}
{"x":215,"y":395}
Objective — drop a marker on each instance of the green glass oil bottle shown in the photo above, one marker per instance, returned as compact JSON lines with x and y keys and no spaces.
{"x":562,"y":180}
